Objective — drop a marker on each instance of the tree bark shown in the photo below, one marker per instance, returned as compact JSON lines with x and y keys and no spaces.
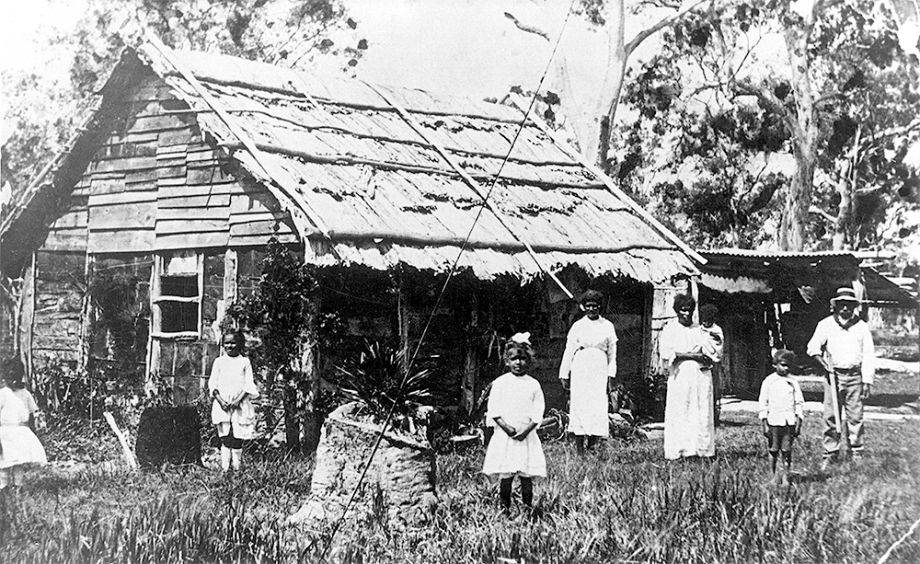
{"x":805,"y":135}
{"x":618,"y":53}
{"x":846,"y":187}
{"x":612,"y":85}
{"x":289,"y":401}
{"x":795,"y":211}
{"x":310,"y":364}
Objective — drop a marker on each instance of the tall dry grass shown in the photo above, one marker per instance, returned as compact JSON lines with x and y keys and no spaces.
{"x":623,"y":504}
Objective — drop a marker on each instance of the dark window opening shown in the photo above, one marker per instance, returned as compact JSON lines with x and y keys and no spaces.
{"x":181,"y":286}
{"x":176,"y":317}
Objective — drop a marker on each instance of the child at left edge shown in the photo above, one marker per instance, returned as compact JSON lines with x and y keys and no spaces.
{"x":19,"y":447}
{"x":781,"y":411}
{"x":516,"y":406}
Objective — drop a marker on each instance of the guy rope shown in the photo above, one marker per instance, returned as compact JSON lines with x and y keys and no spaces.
{"x":476,"y":187}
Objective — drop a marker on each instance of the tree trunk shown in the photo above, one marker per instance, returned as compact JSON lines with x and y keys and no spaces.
{"x":846,"y":187}
{"x":309,"y":363}
{"x":844,"y":211}
{"x":798,"y":199}
{"x":291,"y":423}
{"x":598,"y":145}
{"x":805,"y":137}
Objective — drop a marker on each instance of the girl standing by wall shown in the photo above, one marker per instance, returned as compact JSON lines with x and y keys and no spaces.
{"x":232,"y":389}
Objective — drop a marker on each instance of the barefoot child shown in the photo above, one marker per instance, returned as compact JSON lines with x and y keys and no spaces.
{"x":516,"y":407}
{"x":19,"y":447}
{"x":781,"y":411}
{"x":232,"y":389}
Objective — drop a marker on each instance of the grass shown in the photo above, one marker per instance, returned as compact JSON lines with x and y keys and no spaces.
{"x":623,"y":504}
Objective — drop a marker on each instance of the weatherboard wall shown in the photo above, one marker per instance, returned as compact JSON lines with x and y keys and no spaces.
{"x":154,"y":183}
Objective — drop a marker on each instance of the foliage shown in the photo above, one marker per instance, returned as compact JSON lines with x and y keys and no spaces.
{"x":622,"y":504}
{"x":63,"y":391}
{"x":69,"y":396}
{"x":378,"y":380}
{"x":277,"y":314}
{"x":718,"y":146}
{"x":45,"y":109}
{"x":286,"y":330}
{"x":645,"y":395}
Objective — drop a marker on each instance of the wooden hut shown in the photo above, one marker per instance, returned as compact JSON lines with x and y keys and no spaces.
{"x":192,"y":162}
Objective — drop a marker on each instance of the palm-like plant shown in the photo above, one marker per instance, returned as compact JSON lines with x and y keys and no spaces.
{"x":377,"y":379}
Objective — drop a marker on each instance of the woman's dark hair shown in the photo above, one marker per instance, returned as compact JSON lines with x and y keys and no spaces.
{"x":592,"y":296}
{"x":683,"y":301}
{"x":14,"y":373}
{"x":514,"y":347}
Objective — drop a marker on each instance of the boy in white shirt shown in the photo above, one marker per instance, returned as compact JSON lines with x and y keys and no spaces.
{"x":781,"y":411}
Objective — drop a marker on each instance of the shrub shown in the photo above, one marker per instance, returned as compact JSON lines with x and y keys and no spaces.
{"x":376,"y":380}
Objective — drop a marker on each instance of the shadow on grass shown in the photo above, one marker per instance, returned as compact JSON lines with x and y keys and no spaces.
{"x":809,"y":477}
{"x":731,"y":423}
{"x":891,"y":400}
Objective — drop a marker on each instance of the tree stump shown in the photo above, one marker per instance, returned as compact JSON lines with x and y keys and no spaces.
{"x":168,"y":434}
{"x":399,"y":486}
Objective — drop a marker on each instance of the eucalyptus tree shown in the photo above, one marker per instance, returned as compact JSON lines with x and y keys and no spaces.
{"x":775,"y":113}
{"x":43,"y":108}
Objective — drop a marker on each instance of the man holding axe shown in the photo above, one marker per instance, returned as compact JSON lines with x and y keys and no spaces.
{"x":843,"y":345}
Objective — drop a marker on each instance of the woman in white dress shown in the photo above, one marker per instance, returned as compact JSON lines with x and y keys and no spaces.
{"x":516,"y":407}
{"x":688,"y":352}
{"x":588,"y":365}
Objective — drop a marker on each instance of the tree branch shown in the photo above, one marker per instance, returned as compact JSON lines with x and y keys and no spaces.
{"x":661,"y":24}
{"x":526,"y":28}
{"x":829,"y":96}
{"x":819,"y":212}
{"x":745,"y":86}
{"x":894,"y":131}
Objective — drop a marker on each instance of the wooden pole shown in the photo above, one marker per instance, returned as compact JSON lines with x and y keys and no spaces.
{"x":230,"y":269}
{"x":122,"y":439}
{"x":31,"y":329}
{"x":835,"y":398}
{"x":86,"y":312}
{"x":471,"y":362}
{"x":402,"y":318}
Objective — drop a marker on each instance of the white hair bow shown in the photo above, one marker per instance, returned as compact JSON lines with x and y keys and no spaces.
{"x":522,"y":338}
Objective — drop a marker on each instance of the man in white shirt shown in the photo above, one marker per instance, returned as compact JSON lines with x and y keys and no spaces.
{"x":843,"y":345}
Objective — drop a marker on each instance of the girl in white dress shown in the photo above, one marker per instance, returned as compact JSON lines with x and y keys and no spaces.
{"x":232,"y":389}
{"x":19,"y":447}
{"x":516,"y":406}
{"x":589,"y":363}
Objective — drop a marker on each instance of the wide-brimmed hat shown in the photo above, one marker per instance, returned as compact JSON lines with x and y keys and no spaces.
{"x":845,"y":295}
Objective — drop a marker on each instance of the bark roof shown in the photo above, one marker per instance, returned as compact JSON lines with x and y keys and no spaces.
{"x":382,"y":176}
